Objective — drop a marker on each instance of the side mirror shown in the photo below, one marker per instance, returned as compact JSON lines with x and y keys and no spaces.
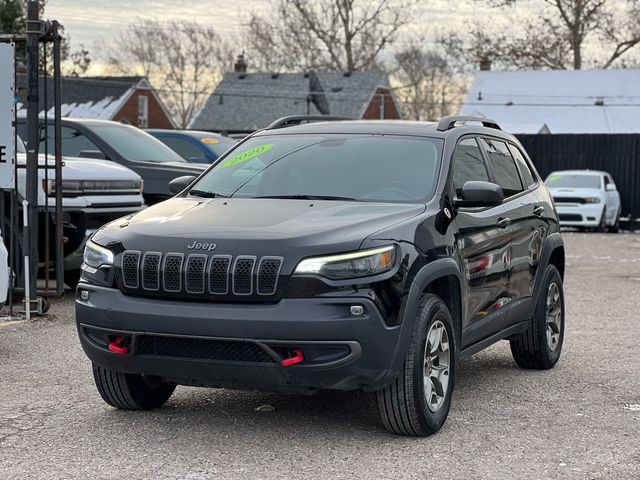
{"x":97,"y":154}
{"x":480,"y":194}
{"x":179,"y":184}
{"x":610,"y":187}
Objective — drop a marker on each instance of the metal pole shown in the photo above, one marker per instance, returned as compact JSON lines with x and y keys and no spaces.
{"x":27,"y":268}
{"x":57,"y":115}
{"x":33,"y":37}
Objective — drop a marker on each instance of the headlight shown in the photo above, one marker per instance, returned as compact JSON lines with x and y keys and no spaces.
{"x":592,"y":200}
{"x":96,"y":255}
{"x":364,"y":263}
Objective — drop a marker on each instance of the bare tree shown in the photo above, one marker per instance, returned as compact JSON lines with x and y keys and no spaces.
{"x":556,"y":38}
{"x":341,"y":35}
{"x":426,"y":89}
{"x":183,"y":59}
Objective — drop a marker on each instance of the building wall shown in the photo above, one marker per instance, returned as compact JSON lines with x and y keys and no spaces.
{"x":390,"y":109}
{"x":129,"y":111}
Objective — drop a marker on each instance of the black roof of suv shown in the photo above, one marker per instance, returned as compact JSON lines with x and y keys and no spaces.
{"x":335,"y":255}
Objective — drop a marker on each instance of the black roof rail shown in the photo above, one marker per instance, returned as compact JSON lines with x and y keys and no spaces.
{"x":447,"y":123}
{"x":298,"y":119}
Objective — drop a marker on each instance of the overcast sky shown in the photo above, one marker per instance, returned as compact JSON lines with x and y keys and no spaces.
{"x":91,"y":21}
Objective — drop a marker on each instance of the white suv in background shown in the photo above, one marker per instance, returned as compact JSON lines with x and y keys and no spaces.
{"x":585,"y":199}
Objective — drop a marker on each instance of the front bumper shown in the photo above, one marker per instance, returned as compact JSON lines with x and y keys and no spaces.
{"x":580,"y":215}
{"x":241,"y":345}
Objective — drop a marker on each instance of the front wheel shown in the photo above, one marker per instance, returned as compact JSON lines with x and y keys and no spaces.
{"x":417,"y":402}
{"x":127,"y":391}
{"x":540,"y":346}
{"x":615,"y":228}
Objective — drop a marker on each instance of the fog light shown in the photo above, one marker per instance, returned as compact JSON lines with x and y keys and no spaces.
{"x":356,"y":310}
{"x":84,"y":295}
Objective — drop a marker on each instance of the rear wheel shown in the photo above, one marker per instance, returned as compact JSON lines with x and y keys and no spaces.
{"x":127,"y":391}
{"x":417,"y":402}
{"x":540,"y":346}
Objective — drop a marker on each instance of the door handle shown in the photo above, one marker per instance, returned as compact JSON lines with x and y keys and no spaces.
{"x":538,"y":211}
{"x":503,"y":223}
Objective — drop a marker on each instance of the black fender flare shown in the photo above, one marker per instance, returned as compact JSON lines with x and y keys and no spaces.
{"x":443,"y":267}
{"x":551,"y":244}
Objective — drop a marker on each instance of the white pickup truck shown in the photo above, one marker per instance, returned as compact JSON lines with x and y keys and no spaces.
{"x":94,"y":193}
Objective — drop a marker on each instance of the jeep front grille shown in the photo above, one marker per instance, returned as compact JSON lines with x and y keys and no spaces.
{"x":198,"y":274}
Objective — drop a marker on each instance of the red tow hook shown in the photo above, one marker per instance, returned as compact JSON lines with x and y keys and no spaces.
{"x":297,"y":358}
{"x":117,"y":346}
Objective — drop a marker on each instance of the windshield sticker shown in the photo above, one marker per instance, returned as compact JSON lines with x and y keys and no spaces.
{"x":553,"y":178}
{"x":246,"y":155}
{"x":209,"y":140}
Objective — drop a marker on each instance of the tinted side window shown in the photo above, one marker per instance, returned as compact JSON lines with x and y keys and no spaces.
{"x":73,"y":142}
{"x":503,"y":166}
{"x":185,"y":148}
{"x":468,"y":165}
{"x":523,"y":167}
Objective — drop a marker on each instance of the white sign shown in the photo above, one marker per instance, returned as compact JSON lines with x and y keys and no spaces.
{"x":7,"y":106}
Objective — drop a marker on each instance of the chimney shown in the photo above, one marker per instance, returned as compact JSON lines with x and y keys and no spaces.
{"x":240,"y":66}
{"x":485,"y":64}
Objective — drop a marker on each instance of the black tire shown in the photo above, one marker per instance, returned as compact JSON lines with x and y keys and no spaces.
{"x":533,"y":349}
{"x":402,"y":405}
{"x":72,"y":277}
{"x":129,"y":391}
{"x":615,"y":228}
{"x":602,"y":227}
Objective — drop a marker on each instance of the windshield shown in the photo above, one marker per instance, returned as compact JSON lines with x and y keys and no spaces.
{"x":217,"y":145}
{"x":354,"y":167}
{"x":134,"y":144}
{"x":564,"y":180}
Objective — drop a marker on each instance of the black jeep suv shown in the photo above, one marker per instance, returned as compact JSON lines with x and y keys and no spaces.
{"x":335,"y":255}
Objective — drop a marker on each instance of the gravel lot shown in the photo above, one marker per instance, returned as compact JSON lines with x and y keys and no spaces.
{"x":579,"y":420}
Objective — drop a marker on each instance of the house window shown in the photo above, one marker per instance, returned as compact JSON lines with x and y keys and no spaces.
{"x":143,"y":111}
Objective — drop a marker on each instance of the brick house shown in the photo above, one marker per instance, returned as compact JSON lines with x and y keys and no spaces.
{"x":130,"y":100}
{"x":244,"y":102}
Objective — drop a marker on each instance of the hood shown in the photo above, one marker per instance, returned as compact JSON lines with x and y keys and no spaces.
{"x":576,"y":192}
{"x":85,"y":169}
{"x":237,"y":226}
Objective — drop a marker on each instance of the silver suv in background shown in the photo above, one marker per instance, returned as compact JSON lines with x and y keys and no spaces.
{"x":586,"y":199}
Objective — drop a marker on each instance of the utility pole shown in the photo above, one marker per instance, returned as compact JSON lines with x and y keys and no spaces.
{"x":33,"y":32}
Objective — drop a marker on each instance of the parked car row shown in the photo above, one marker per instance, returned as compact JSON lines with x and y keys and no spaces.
{"x":110,"y":170}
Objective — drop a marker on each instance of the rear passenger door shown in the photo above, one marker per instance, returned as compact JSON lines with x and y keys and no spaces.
{"x":524,"y":210}
{"x":483,"y":242}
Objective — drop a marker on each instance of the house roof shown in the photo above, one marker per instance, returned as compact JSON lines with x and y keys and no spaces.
{"x":249,"y":101}
{"x":558,"y":101}
{"x":89,"y":97}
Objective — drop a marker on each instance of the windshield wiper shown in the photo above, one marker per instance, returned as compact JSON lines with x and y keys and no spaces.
{"x":309,"y":197}
{"x":206,"y":194}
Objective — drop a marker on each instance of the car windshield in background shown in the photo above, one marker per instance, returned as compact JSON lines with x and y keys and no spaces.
{"x":564,"y":180}
{"x":135,"y":145}
{"x":353,"y":167}
{"x":218,"y":145}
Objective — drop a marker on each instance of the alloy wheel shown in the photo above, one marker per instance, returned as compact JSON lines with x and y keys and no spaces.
{"x":553,"y":316}
{"x":437,"y":359}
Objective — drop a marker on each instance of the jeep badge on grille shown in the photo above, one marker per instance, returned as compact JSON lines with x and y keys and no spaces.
{"x":202,"y":246}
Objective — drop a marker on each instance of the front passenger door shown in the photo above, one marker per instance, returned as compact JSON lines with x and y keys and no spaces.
{"x":524,"y":211}
{"x":483,"y":242}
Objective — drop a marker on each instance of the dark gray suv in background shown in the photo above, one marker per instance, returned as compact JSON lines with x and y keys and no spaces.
{"x":156,"y":163}
{"x":336,"y":255}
